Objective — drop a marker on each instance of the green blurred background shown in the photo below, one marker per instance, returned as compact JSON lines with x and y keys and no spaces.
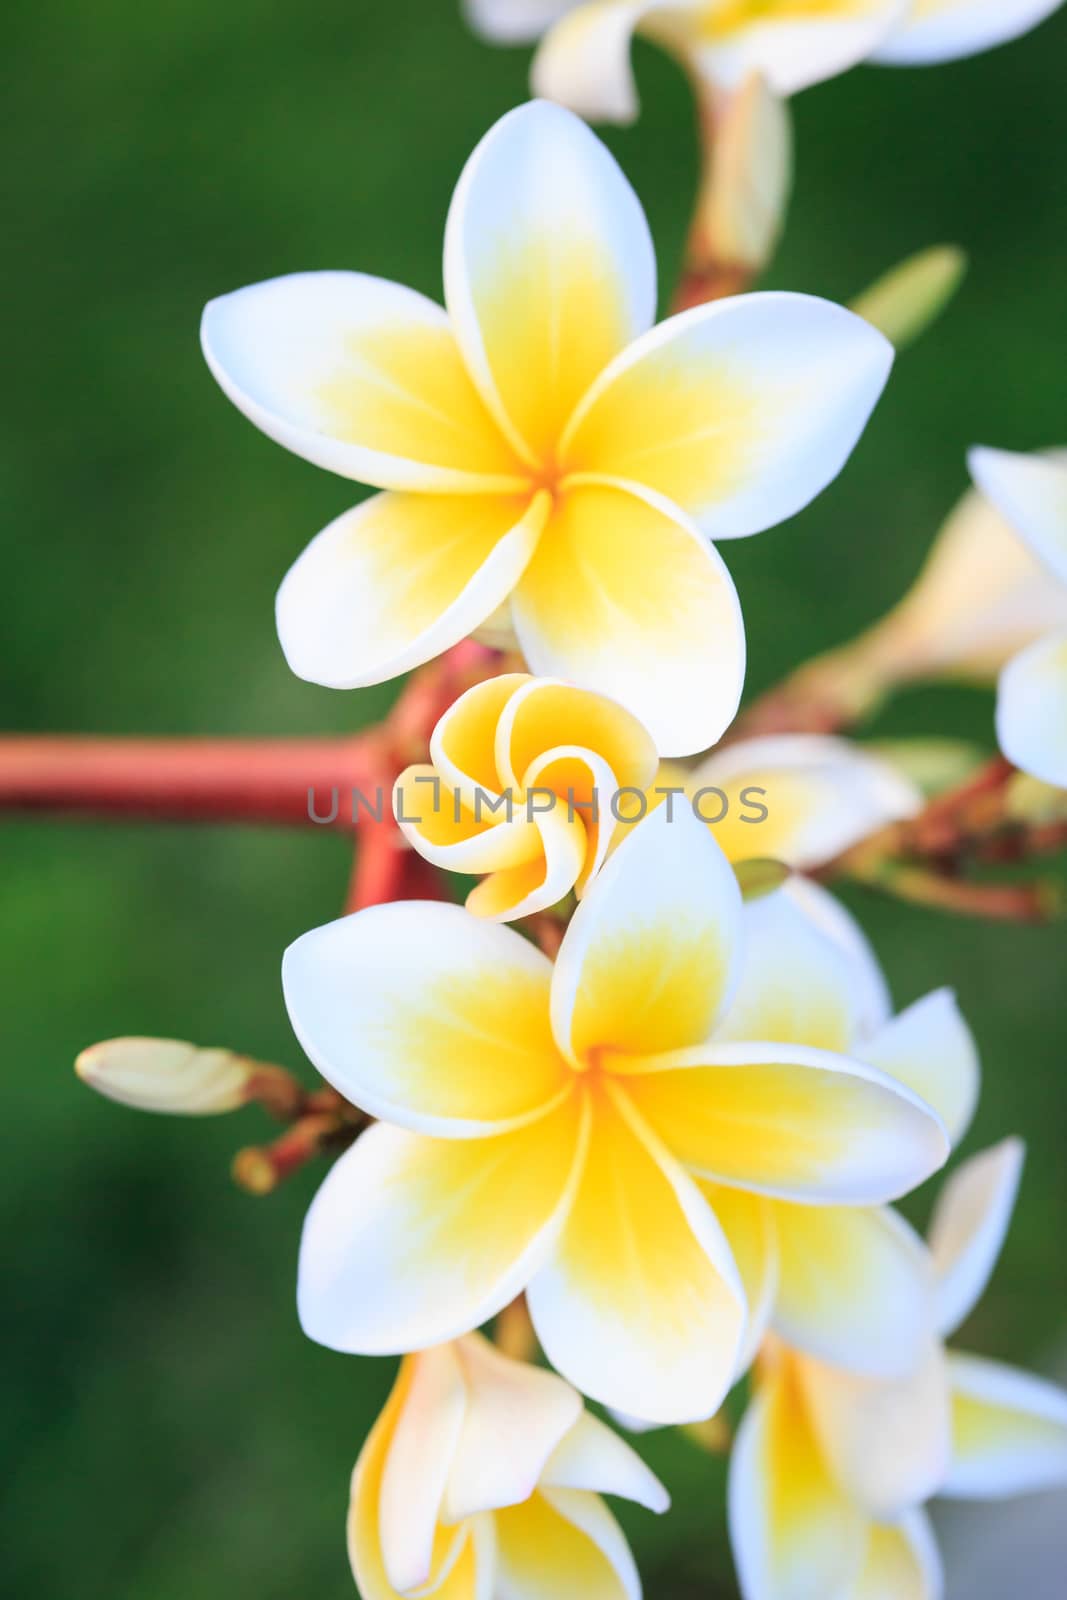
{"x":167,"y":1429}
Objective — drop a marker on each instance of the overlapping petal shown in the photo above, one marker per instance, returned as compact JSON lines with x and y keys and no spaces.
{"x":791,"y":1122}
{"x":647,"y":960}
{"x":855,"y":1287}
{"x":740,"y":412}
{"x":930,"y":1048}
{"x":945,"y":30}
{"x":623,"y":596}
{"x":1032,"y":710}
{"x":427,"y":1418}
{"x":793,"y":43}
{"x":639,"y":1304}
{"x":819,"y":797}
{"x":870,"y":991}
{"x":401,"y":578}
{"x":584,"y":60}
{"x":427,"y":1017}
{"x":748,"y":1221}
{"x":795,"y":1533}
{"x":969,"y":1226}
{"x":592,"y":1457}
{"x":902,"y":1562}
{"x":565,"y":1543}
{"x":1030,"y":492}
{"x":888,"y":1441}
{"x":1009,"y":1431}
{"x":360,"y":376}
{"x":411,"y":1240}
{"x":549,"y":270}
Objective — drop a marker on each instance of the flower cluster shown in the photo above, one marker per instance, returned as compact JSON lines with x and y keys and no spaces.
{"x":671,"y":1134}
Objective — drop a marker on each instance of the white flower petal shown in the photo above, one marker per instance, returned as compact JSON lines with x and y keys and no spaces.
{"x":1030,"y":492}
{"x":930,"y":1048}
{"x":945,"y":30}
{"x":425,"y":1016}
{"x":411,"y":1241}
{"x":400,"y":579}
{"x":549,"y":270}
{"x":902,"y":1562}
{"x":871,"y":996}
{"x":624,"y":596}
{"x":563,"y":1543}
{"x":791,"y":51}
{"x":647,"y":961}
{"x":821,"y":795}
{"x":416,"y":1468}
{"x":888,"y":1440}
{"x":740,"y":412}
{"x":515,"y":1418}
{"x":639,"y":1304}
{"x":1032,"y":710}
{"x":969,"y":1226}
{"x":584,"y":60}
{"x":592,"y":1457}
{"x":1009,"y":1431}
{"x":360,"y":376}
{"x":515,"y":21}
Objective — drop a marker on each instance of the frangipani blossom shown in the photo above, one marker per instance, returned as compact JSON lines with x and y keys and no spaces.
{"x":829,"y":1470}
{"x":527,"y":782}
{"x":538,"y":1123}
{"x":849,"y":1285}
{"x":540,"y":443}
{"x":482,"y":1477}
{"x":821,"y":796}
{"x":1030,"y":491}
{"x":584,"y":59}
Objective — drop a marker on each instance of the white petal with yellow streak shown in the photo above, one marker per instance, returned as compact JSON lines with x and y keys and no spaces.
{"x":549,"y":270}
{"x":594,"y":1458}
{"x":788,"y":1121}
{"x":564,"y":1543}
{"x":796,"y":983}
{"x":625,"y":597}
{"x":855,"y":1287}
{"x":411,"y":1241}
{"x":821,"y":796}
{"x":360,"y":376}
{"x":748,"y":1221}
{"x":516,"y":1416}
{"x":1009,"y":1431}
{"x":431,"y":815}
{"x":647,"y":961}
{"x":584,"y":60}
{"x":639,"y":1305}
{"x":1032,"y":710}
{"x":793,"y":43}
{"x":930,"y":1048}
{"x":423,"y":1443}
{"x":796,"y":1534}
{"x":902,"y":1562}
{"x":1030,"y":492}
{"x":424,"y":1016}
{"x":400,"y":579}
{"x":946,"y":30}
{"x":887,"y":1440}
{"x":969,"y":1226}
{"x":521,"y":891}
{"x":463,"y":742}
{"x":740,"y":412}
{"x":870,"y":990}
{"x":544,"y":714}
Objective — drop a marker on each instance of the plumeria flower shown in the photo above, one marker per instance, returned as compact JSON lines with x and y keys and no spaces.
{"x":540,"y":442}
{"x":584,"y":58}
{"x":1030,"y":491}
{"x":851,"y":1285}
{"x":483,"y":1477}
{"x":829,"y":1470}
{"x":528,"y":782}
{"x":537,"y":1124}
{"x":801,"y":799}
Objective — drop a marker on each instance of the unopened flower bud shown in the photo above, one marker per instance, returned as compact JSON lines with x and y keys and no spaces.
{"x":167,"y":1075}
{"x":912,"y":295}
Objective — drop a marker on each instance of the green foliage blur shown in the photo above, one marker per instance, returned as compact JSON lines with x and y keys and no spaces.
{"x":167,"y":1430}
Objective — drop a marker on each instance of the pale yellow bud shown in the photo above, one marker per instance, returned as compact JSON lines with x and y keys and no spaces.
{"x":912,"y":295}
{"x":750,"y":175}
{"x":166,"y":1075}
